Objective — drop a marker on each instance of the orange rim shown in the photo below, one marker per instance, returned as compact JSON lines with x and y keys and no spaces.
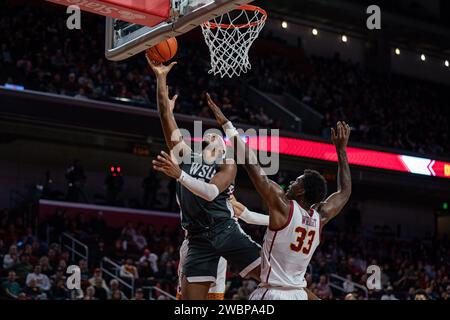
{"x":247,"y":7}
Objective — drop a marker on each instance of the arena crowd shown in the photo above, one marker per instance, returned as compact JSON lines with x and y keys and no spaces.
{"x":34,"y":267}
{"x":390,"y":111}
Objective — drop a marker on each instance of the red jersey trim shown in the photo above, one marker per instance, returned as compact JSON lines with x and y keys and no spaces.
{"x":270,"y":256}
{"x":291,"y":210}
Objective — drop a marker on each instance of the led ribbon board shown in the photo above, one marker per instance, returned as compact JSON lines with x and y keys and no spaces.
{"x":356,"y":156}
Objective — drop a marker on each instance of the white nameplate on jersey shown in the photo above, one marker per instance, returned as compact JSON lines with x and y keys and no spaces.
{"x":202,"y":171}
{"x":309,"y":221}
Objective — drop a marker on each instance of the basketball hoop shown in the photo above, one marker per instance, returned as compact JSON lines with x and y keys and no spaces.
{"x":229,"y":38}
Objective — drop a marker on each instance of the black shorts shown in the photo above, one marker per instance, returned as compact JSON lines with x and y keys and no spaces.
{"x":228,"y":241}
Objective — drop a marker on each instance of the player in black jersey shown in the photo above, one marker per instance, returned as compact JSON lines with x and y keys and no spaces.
{"x":204,"y":185}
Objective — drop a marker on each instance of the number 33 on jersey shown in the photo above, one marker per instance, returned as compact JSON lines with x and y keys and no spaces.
{"x":288,"y":251}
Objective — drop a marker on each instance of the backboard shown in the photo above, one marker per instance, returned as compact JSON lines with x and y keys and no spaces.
{"x":125,"y":39}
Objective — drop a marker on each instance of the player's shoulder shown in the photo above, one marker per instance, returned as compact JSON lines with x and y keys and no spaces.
{"x":227,"y":163}
{"x":318,"y":208}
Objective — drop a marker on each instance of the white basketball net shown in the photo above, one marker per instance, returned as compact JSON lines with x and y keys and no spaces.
{"x":229,"y":38}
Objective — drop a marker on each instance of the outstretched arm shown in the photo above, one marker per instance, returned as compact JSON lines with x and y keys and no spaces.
{"x":172,"y":133}
{"x":250,"y":217}
{"x":271,"y":193}
{"x":336,"y":202}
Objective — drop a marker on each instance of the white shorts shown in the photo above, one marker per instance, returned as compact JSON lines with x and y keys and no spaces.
{"x":217,"y":288}
{"x":262,"y":293}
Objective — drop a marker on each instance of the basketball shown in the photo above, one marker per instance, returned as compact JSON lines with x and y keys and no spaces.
{"x":163,"y":51}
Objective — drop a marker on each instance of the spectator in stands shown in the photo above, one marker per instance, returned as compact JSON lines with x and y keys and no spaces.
{"x":29,"y":237}
{"x":101,"y":293}
{"x":98,"y":252}
{"x":129,"y":231}
{"x":139,"y":240}
{"x":323,"y":288}
{"x":33,"y":290}
{"x":348,"y":284}
{"x":151,"y":258}
{"x":168,"y":254}
{"x":420,"y":295}
{"x":389,"y":294}
{"x":139,"y":295}
{"x":46,"y":268}
{"x":146,"y":274}
{"x":10,"y":259}
{"x":115,"y":287}
{"x":128,"y":270}
{"x":76,"y":294}
{"x":11,"y":288}
{"x":117,"y":295}
{"x":446,"y":295}
{"x":58,"y":276}
{"x":90,"y":293}
{"x":119,"y":251}
{"x":53,"y":258}
{"x":59,"y":291}
{"x":98,"y":276}
{"x":407,"y":264}
{"x":84,"y":270}
{"x":75,"y":176}
{"x":350,"y":296}
{"x":39,"y":280}
{"x":24,"y":267}
{"x":31,"y":250}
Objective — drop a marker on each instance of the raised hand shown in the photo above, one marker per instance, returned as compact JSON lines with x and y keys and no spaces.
{"x":160,"y":69}
{"x":218,"y":114}
{"x":166,"y":165}
{"x":340,"y":135}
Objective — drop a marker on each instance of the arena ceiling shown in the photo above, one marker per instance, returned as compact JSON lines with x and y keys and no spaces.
{"x":423,"y":24}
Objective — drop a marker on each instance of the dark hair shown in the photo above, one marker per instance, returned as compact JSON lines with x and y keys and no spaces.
{"x":315,"y":186}
{"x":421,"y":292}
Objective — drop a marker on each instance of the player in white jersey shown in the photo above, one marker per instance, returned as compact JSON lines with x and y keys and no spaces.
{"x":286,"y":254}
{"x":296,"y":217}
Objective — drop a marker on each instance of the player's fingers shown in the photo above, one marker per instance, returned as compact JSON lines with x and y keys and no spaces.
{"x":153,"y":64}
{"x":210,"y":101}
{"x":239,"y":205}
{"x":167,"y":157}
{"x":170,"y":66}
{"x":160,"y":169}
{"x":150,"y":62}
{"x":175,"y":97}
{"x":333,"y":133}
{"x":164,"y":161}
{"x":340,"y":130}
{"x":158,"y":163}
